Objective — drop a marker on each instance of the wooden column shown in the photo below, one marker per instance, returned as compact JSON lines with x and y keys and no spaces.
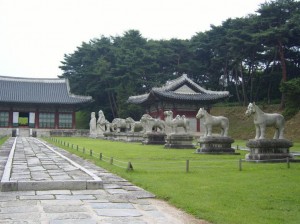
{"x":37,"y":118}
{"x":10,"y":117}
{"x":74,"y":120}
{"x":198,"y":125}
{"x":56,"y":119}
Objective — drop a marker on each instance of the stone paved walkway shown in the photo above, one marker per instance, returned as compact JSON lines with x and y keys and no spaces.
{"x":117,"y":200}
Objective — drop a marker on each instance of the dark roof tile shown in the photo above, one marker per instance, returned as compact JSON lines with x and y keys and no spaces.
{"x":168,"y":91}
{"x":32,"y":90}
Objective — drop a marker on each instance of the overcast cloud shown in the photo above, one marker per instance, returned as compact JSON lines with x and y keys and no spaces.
{"x":35,"y":34}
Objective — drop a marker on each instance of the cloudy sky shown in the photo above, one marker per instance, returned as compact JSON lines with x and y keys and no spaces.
{"x":35,"y":34}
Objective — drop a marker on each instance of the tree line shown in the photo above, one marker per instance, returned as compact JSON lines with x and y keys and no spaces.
{"x":249,"y":56}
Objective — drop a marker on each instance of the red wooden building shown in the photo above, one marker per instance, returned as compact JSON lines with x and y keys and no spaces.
{"x":182,"y":96}
{"x":38,"y":103}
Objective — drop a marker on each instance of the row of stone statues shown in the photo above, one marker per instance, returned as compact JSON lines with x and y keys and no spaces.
{"x":145,"y":124}
{"x":148,"y":123}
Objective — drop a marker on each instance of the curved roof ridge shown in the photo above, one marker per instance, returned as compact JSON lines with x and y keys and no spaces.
{"x":40,"y":80}
{"x":169,"y":91}
{"x":176,"y":82}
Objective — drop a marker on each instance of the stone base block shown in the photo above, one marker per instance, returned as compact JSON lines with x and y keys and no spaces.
{"x":268,"y":149}
{"x":154,"y":138}
{"x":109,"y":135}
{"x":124,"y":136}
{"x":216,"y":145}
{"x":179,"y":141}
{"x":135,"y":137}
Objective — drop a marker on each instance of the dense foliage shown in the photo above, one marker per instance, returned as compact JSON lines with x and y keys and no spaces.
{"x":247,"y":56}
{"x":291,"y":89}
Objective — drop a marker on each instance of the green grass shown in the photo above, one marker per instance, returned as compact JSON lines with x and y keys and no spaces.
{"x":214,"y":189}
{"x":3,"y":139}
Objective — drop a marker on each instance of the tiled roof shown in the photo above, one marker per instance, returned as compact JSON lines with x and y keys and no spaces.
{"x":177,"y":89}
{"x":33,"y":90}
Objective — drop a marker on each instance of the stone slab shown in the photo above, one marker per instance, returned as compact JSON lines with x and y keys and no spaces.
{"x":24,"y":169}
{"x":119,"y":212}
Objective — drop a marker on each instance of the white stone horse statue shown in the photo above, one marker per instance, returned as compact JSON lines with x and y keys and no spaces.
{"x":263,"y":120}
{"x":211,"y":121}
{"x":149,"y":123}
{"x":178,"y":121}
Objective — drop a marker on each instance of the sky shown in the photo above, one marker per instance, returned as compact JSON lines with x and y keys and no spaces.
{"x":36,"y":34}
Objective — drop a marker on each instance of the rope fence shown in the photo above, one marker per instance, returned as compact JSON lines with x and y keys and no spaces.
{"x":180,"y":165}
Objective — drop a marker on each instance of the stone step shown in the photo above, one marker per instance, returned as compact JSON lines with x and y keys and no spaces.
{"x":24,"y":132}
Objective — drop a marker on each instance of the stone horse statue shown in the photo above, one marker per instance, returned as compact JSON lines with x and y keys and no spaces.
{"x":178,"y":121}
{"x":263,"y":120}
{"x":210,"y":121}
{"x":149,"y":123}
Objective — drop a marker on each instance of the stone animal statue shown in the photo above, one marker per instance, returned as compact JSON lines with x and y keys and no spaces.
{"x":151,"y":123}
{"x":211,"y":121}
{"x":107,"y":126}
{"x":178,"y":121}
{"x":263,"y":120}
{"x":135,"y":126}
{"x":119,"y":124}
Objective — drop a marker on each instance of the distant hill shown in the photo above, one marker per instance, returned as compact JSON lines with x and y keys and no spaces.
{"x":242,"y":127}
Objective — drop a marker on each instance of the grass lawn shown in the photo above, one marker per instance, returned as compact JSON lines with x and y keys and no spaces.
{"x":3,"y":139}
{"x":214,"y":189}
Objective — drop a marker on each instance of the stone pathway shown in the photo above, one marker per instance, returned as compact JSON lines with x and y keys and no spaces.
{"x":115,"y":201}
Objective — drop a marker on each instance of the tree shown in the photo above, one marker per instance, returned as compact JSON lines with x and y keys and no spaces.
{"x":291,"y":89}
{"x":277,"y":28}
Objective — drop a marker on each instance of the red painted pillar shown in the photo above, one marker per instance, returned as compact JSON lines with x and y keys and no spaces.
{"x":74,"y":120}
{"x":56,"y":119}
{"x":10,"y":117}
{"x":37,"y":118}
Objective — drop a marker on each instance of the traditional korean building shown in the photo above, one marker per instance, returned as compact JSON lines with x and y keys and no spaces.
{"x":182,"y":96}
{"x":38,"y":103}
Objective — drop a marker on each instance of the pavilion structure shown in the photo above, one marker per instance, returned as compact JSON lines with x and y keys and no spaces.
{"x":182,"y":96}
{"x":38,"y":103}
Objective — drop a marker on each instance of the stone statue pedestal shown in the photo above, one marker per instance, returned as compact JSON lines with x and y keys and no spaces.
{"x":179,"y":141}
{"x":216,"y":145}
{"x":109,"y":135}
{"x":93,"y":135}
{"x":268,"y":149}
{"x":123,"y":136}
{"x":135,"y":137}
{"x":154,"y":138}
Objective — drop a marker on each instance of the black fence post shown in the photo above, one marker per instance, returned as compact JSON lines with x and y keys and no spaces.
{"x":240,"y":165}
{"x":187,"y":166}
{"x":129,"y":167}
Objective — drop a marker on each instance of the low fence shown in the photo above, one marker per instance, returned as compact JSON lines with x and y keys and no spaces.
{"x":187,"y":165}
